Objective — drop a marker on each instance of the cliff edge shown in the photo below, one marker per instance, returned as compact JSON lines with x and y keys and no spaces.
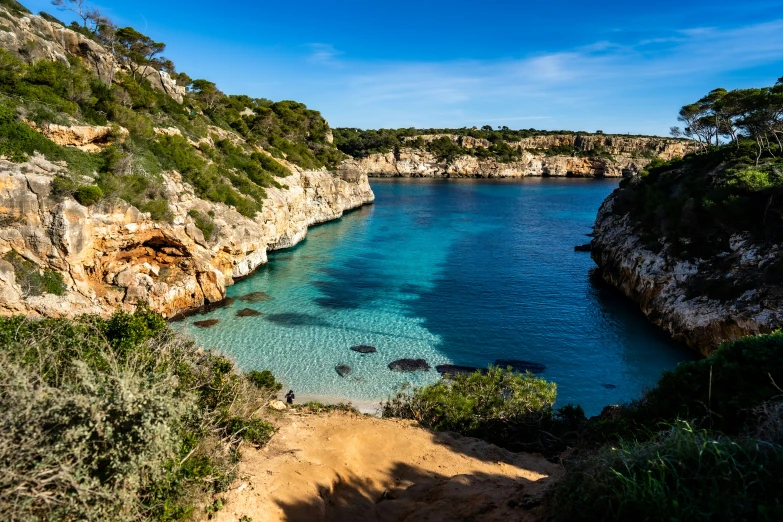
{"x":697,"y":246}
{"x":125,"y":182}
{"x":572,"y":155}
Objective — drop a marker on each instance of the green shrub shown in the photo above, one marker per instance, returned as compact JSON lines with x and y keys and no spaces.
{"x":755,"y":179}
{"x":265,"y":380}
{"x":501,"y":406}
{"x":117,"y":419}
{"x":88,"y":195}
{"x":684,"y":474}
{"x":49,"y":18}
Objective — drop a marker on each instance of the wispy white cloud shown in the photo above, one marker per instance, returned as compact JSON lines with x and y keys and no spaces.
{"x":323,"y":53}
{"x":636,"y":87}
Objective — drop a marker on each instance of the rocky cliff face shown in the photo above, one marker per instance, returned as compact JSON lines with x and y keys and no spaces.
{"x":32,"y":38}
{"x":700,"y":302}
{"x":621,"y":156}
{"x":111,"y":255}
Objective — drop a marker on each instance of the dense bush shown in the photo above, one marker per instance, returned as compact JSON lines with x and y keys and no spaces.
{"x":117,"y":419}
{"x":264,"y":379}
{"x":88,"y":194}
{"x":509,"y":409}
{"x":683,"y":474}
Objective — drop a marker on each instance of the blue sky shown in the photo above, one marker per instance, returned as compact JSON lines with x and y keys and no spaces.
{"x":616,"y":66}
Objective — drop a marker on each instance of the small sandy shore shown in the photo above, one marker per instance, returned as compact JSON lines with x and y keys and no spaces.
{"x":346,"y":467}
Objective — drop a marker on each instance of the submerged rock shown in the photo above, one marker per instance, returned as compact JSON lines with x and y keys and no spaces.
{"x":291,"y":319}
{"x":521,"y":366}
{"x":587,"y":247}
{"x":342,"y":369}
{"x":363,"y":349}
{"x":208,"y":307}
{"x":208,"y":323}
{"x":409,"y":365}
{"x":248,"y":312}
{"x":455,"y":369}
{"x":609,"y":386}
{"x":256,"y":297}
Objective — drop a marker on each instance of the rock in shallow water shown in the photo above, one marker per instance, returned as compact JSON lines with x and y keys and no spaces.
{"x":342,"y":370}
{"x":409,"y":365}
{"x":363,"y":348}
{"x":256,"y":297}
{"x":207,"y":323}
{"x":455,"y":369}
{"x":521,"y":366}
{"x":248,"y":312}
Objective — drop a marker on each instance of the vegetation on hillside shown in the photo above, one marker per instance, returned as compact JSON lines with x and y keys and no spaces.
{"x":234,"y":173}
{"x":119,"y":419}
{"x":703,"y":202}
{"x":506,"y":408}
{"x":360,"y":143}
{"x":704,"y":444}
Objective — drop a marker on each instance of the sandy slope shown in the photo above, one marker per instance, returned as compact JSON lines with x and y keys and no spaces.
{"x":346,"y":467}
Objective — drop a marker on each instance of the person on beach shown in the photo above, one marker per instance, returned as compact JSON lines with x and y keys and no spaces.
{"x":289,"y":397}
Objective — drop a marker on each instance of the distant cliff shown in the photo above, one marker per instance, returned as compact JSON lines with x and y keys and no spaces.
{"x":595,"y":156}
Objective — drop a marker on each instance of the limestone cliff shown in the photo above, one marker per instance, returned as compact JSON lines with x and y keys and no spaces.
{"x":33,"y":38}
{"x":700,"y":301}
{"x":619,"y":156}
{"x":111,"y":255}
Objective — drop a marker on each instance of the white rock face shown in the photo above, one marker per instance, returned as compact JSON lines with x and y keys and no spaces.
{"x":691,"y":300}
{"x":113,"y":256}
{"x":628,"y":157}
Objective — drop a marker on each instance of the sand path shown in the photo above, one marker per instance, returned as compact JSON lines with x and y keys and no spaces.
{"x":346,"y":467}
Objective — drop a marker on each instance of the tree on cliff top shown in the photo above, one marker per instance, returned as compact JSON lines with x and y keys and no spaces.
{"x":89,"y":16}
{"x":139,"y":50}
{"x":755,"y":114}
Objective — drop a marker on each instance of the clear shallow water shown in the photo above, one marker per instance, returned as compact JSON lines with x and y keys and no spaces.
{"x":462,"y":272}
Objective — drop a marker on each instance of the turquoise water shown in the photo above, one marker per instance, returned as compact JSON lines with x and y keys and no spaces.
{"x":462,"y":272}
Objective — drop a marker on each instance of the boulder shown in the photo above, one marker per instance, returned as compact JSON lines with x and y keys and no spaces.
{"x":342,"y":369}
{"x":409,"y":365}
{"x":255,"y":297}
{"x":277,"y":405}
{"x":248,"y":312}
{"x":207,"y":323}
{"x":455,"y":369}
{"x":520,"y":366}
{"x":363,"y":349}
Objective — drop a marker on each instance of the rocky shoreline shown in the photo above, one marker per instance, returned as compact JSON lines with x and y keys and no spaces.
{"x":685,"y":296}
{"x":111,"y":255}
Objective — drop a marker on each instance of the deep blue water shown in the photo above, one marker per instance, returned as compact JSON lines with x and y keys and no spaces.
{"x":462,"y":272}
